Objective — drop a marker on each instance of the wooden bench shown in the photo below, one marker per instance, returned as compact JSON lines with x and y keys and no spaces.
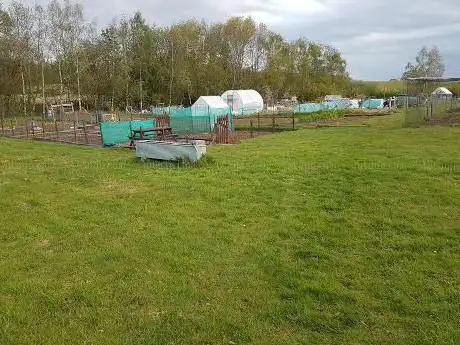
{"x":148,"y":133}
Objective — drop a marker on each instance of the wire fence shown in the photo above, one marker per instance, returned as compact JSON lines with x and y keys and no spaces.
{"x":82,"y":133}
{"x":432,"y":111}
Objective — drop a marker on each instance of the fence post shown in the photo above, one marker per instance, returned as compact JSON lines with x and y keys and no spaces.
{"x":293,"y":122}
{"x":33,"y":129}
{"x":43,"y":128}
{"x":273,"y":123}
{"x":258,"y":120}
{"x":252,"y":130}
{"x":84,"y":131}
{"x":75,"y":131}
{"x":12,"y":128}
{"x":3,"y":126}
{"x":209,"y":119}
{"x":3,"y":114}
{"x":57,"y":129}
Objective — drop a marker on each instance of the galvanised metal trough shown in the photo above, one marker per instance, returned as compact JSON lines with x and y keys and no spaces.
{"x":170,"y":150}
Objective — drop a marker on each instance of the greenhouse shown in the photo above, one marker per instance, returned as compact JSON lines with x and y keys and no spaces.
{"x":210,"y":105}
{"x":243,"y":102}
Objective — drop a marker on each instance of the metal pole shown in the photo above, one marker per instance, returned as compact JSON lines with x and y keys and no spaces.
{"x":57,"y":129}
{"x":12,"y":128}
{"x":252,"y":131}
{"x":209,"y":119}
{"x":43,"y":128}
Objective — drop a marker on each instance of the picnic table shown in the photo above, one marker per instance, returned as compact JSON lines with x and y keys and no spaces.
{"x":147,"y":133}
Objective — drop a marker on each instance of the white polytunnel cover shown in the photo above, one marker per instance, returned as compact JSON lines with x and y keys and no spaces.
{"x":244,"y":102}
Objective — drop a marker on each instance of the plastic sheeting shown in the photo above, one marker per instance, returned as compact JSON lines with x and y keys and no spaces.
{"x":327,"y":105}
{"x":373,"y":103}
{"x":337,"y":104}
{"x":308,"y":108}
{"x":354,"y":103}
{"x":243,"y":102}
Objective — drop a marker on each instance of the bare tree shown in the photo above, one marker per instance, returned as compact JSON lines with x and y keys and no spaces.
{"x":40,"y":35}
{"x":22,"y":21}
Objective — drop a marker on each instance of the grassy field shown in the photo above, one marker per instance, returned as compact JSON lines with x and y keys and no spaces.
{"x":319,"y":236}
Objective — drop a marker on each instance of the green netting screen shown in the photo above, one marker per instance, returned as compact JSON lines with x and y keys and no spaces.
{"x":195,"y":120}
{"x":186,"y":124}
{"x":181,"y":121}
{"x":190,"y":124}
{"x":114,"y":133}
{"x":327,"y":105}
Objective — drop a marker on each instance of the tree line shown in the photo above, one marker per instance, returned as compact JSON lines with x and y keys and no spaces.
{"x":53,"y":54}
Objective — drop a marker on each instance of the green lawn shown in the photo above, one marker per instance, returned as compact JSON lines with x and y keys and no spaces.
{"x":320,"y":236}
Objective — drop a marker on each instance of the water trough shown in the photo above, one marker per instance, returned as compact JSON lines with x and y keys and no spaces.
{"x":192,"y":151}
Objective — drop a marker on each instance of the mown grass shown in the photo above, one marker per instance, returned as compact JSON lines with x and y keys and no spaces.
{"x":319,"y":236}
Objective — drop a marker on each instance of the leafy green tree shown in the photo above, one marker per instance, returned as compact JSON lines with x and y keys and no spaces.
{"x":55,"y":51}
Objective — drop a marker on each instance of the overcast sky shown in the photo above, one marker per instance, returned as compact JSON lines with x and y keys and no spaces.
{"x":377,"y":37}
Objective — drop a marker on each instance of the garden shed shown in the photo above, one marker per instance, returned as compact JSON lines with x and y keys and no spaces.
{"x":243,"y":102}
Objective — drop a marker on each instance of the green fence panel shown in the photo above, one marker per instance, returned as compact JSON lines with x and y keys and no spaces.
{"x":114,"y":133}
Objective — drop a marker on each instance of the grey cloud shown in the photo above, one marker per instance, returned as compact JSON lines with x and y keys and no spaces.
{"x":379,"y":37}
{"x":376,"y":37}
